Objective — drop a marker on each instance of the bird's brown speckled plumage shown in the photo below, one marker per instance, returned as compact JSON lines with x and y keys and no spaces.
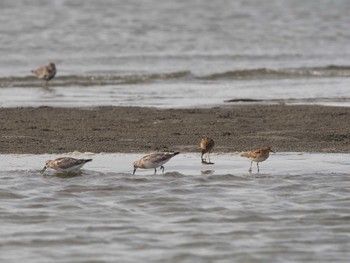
{"x":257,"y":156}
{"x":46,"y":72}
{"x":65,"y":164}
{"x":153,"y":160}
{"x":206,"y":146}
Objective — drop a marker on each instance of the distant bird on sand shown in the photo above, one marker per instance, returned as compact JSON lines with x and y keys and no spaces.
{"x":46,"y":72}
{"x":154,"y":160}
{"x":206,"y":145}
{"x":65,"y":164}
{"x":257,"y":156}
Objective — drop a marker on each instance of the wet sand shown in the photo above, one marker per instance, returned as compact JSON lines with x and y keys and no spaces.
{"x":132,"y":129}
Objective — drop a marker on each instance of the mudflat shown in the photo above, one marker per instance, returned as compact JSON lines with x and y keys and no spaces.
{"x":134,"y":129}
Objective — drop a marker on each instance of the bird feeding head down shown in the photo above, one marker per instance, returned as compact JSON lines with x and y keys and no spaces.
{"x":47,"y":164}
{"x":136,"y":165}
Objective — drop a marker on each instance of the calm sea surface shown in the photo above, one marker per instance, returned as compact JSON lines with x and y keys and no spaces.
{"x":176,"y":54}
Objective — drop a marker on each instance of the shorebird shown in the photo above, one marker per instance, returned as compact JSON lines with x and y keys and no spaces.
{"x":153,"y":160}
{"x":65,"y":164}
{"x":206,"y":145}
{"x":257,"y":156}
{"x":46,"y":72}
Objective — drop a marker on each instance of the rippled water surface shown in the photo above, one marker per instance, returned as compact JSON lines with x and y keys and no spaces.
{"x":295,"y":210}
{"x":172,"y":54}
{"x":175,"y":53}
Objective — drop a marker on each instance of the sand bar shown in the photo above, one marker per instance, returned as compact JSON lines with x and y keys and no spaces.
{"x":134,"y":129}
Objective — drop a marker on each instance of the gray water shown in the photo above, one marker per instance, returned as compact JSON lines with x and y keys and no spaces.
{"x":295,"y":210}
{"x":172,"y":54}
{"x":175,"y":53}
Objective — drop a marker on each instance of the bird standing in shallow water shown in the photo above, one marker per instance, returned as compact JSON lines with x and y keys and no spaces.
{"x":257,"y":156}
{"x":153,"y":160}
{"x":65,"y":164}
{"x":46,"y":72}
{"x":206,"y":145}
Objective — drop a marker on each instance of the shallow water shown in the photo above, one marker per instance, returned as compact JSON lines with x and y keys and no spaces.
{"x":185,"y":94}
{"x":295,"y":209}
{"x":175,"y":53}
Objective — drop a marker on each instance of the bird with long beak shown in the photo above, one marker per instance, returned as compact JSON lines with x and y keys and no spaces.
{"x":153,"y":160}
{"x":257,"y":156}
{"x":65,"y":164}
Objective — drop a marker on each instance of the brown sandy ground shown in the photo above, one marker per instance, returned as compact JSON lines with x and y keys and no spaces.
{"x":132,"y":129}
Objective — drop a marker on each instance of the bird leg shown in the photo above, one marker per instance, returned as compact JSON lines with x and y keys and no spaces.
{"x":257,"y":164}
{"x":134,"y":171}
{"x":155,"y":170}
{"x":203,"y":160}
{"x":250,"y":169}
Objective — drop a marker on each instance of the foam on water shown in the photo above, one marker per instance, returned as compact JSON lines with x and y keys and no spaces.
{"x":295,"y":209}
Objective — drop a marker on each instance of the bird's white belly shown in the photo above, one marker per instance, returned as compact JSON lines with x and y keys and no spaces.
{"x":70,"y":169}
{"x":150,"y":164}
{"x":259,"y":159}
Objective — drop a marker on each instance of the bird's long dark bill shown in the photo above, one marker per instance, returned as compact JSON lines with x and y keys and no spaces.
{"x":43,"y":170}
{"x":134,"y":171}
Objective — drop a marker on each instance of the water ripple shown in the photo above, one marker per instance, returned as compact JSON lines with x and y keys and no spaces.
{"x":178,"y":215}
